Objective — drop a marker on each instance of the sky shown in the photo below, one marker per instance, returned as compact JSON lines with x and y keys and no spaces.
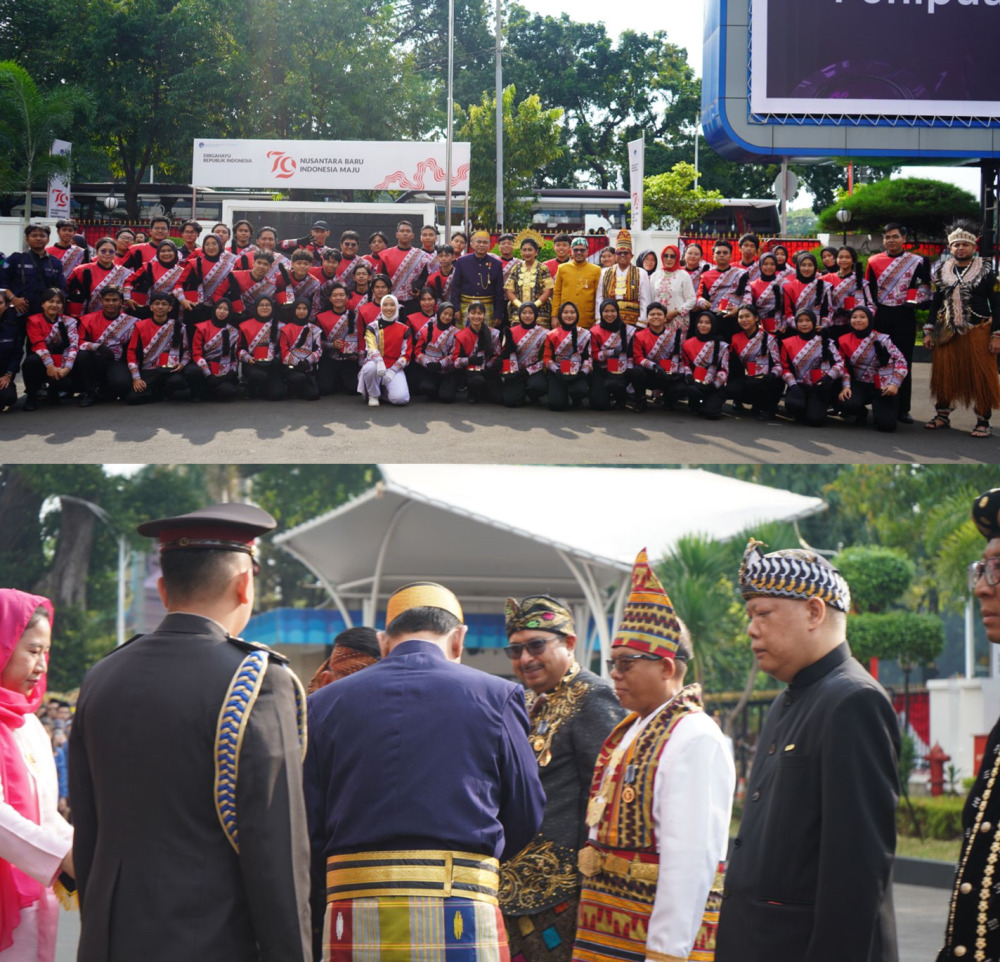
{"x":684,"y":26}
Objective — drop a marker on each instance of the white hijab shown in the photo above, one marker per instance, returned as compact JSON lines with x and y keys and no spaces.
{"x":395,"y":303}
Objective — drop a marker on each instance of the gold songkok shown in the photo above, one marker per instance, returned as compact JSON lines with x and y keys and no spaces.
{"x":422,"y":594}
{"x":481,"y":233}
{"x":962,"y":235}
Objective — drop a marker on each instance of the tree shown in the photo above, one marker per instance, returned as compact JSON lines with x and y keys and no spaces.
{"x":531,"y":136}
{"x":30,"y":119}
{"x":674,"y":197}
{"x":925,"y":206}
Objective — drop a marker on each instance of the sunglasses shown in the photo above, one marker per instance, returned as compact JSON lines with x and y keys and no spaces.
{"x":623,"y":663}
{"x":534,"y":647}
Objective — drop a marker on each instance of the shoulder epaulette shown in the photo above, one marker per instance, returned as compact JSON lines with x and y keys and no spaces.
{"x":249,"y":646}
{"x":124,"y":644}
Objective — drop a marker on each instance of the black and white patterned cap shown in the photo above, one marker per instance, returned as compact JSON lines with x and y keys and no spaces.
{"x":792,"y":573}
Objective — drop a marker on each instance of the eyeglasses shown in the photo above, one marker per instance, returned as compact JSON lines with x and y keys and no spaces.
{"x":624,"y":663}
{"x":989,"y":569}
{"x":534,"y":647}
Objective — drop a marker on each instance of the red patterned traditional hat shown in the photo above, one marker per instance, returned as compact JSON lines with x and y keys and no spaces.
{"x":650,"y":623}
{"x":623,"y":242}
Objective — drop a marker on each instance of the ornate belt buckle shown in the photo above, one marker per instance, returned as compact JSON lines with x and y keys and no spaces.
{"x":589,"y":861}
{"x":644,"y":871}
{"x":616,"y":865}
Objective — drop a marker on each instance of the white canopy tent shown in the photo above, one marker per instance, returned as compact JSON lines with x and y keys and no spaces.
{"x":489,"y":531}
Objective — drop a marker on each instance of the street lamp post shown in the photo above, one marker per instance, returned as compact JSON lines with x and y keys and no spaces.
{"x":103,"y":515}
{"x":844,"y":216}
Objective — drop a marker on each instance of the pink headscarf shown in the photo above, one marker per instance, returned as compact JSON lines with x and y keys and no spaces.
{"x":17,"y":890}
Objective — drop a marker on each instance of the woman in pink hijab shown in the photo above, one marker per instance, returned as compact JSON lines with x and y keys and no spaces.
{"x":35,"y":840}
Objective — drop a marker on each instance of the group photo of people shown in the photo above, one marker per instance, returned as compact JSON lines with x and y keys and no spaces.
{"x":240,"y":313}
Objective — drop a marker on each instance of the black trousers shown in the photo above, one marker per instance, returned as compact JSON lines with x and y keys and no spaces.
{"x":8,"y":395}
{"x":483,"y":385}
{"x":900,"y":323}
{"x":761,"y":393}
{"x":672,"y":385}
{"x":35,"y":378}
{"x":705,"y":399}
{"x":337,"y":375}
{"x":161,"y":384}
{"x":808,"y":403}
{"x":437,"y":384}
{"x":213,"y":386}
{"x":301,"y":384}
{"x":566,"y":390}
{"x":521,"y":387}
{"x":101,"y":374}
{"x":606,"y":388}
{"x":885,"y":410}
{"x":264,"y":380}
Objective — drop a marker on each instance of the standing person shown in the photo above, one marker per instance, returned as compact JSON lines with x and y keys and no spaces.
{"x":12,"y":334}
{"x":695,"y":263}
{"x":87,"y":281}
{"x":625,"y":283}
{"x":350,"y":241}
{"x":873,"y":370}
{"x":124,"y":239}
{"x":785,"y":269}
{"x":646,"y":261}
{"x":577,"y":281}
{"x":327,"y":275}
{"x":522,"y":366}
{"x":529,"y":281}
{"x":671,"y":286}
{"x":567,"y":358}
{"x":459,"y":242}
{"x":765,"y":296}
{"x":572,"y":711}
{"x":660,"y":799}
{"x":388,"y":348}
{"x":441,"y":280}
{"x":205,"y":279}
{"x":479,"y":277}
{"x":561,"y":244}
{"x":158,"y":276}
{"x":242,"y":237}
{"x":964,"y":334}
{"x":352,"y":650}
{"x":142,"y":253}
{"x":407,"y":267}
{"x":972,"y":928}
{"x":408,"y":823}
{"x":806,"y":291}
{"x":607,"y":257}
{"x":428,"y":244}
{"x":314,"y":242}
{"x":297,"y":285}
{"x":749,"y":245}
{"x":104,"y":339}
{"x":505,"y":242}
{"x":377,"y":242}
{"x":27,"y":274}
{"x":68,"y":254}
{"x":810,"y":875}
{"x":898,"y":280}
{"x":191,"y":839}
{"x":246,"y":288}
{"x":844,"y":291}
{"x":722,"y":288}
{"x":35,"y":840}
{"x":190,"y":232}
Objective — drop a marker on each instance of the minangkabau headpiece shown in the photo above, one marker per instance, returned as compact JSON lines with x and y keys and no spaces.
{"x":792,"y":573}
{"x":649,"y":624}
{"x":538,"y":612}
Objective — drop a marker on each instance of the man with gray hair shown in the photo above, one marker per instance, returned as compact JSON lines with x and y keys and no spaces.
{"x":811,"y":868}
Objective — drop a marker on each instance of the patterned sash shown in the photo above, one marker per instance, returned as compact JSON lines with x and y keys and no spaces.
{"x":71,"y":258}
{"x":260,"y":338}
{"x":767,"y":303}
{"x":217,"y":274}
{"x":162,"y":341}
{"x":863,"y":356}
{"x":116,"y":334}
{"x":658,"y":351}
{"x":807,"y":296}
{"x":114,"y":277}
{"x":509,"y":266}
{"x":259,"y":289}
{"x":60,"y":340}
{"x":346,"y":276}
{"x":301,"y":290}
{"x":212,"y":355}
{"x":529,"y":349}
{"x":337,"y":335}
{"x":403,"y":277}
{"x":843,"y":289}
{"x":894,"y":281}
{"x":754,"y":349}
{"x":167,"y":280}
{"x":446,"y":287}
{"x":612,"y":345}
{"x":724,"y":284}
{"x":809,"y":358}
{"x":564,"y":349}
{"x":440,"y":345}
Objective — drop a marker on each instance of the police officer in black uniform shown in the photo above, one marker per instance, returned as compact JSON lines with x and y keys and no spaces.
{"x":186,"y":760}
{"x":26,"y":274}
{"x":968,"y":935}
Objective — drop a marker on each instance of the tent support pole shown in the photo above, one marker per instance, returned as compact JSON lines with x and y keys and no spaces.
{"x":372,"y":605}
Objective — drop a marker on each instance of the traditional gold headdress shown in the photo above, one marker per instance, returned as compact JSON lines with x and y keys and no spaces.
{"x":529,"y":234}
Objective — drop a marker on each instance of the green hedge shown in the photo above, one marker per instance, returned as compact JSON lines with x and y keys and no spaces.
{"x":939,"y":817}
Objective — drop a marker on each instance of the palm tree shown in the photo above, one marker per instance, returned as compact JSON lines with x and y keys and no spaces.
{"x":30,"y":119}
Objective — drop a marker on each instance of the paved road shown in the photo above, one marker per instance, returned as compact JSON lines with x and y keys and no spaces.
{"x":343,"y":429}
{"x":920,"y":917}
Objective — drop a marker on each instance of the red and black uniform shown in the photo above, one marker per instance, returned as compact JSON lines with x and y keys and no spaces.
{"x":304,"y":244}
{"x":157,"y":355}
{"x":51,"y":344}
{"x":289,"y":290}
{"x":85,"y":283}
{"x":154,"y":276}
{"x":408,"y":270}
{"x":102,"y":359}
{"x":434,"y":370}
{"x":811,"y":366}
{"x":139,"y":254}
{"x":476,"y":356}
{"x":212,"y":372}
{"x":871,"y":362}
{"x":554,"y":265}
{"x":568,"y":364}
{"x":841,"y":295}
{"x":704,"y":363}
{"x":440,"y":283}
{"x":898,"y":283}
{"x":343,"y":344}
{"x":766,"y":295}
{"x":522,"y":364}
{"x":184,"y":252}
{"x":656,"y":365}
{"x":722,"y":293}
{"x":804,"y":294}
{"x":70,"y":257}
{"x":755,"y":371}
{"x":301,"y":350}
{"x":244,"y":290}
{"x":610,"y":348}
{"x":205,"y":281}
{"x":260,"y":358}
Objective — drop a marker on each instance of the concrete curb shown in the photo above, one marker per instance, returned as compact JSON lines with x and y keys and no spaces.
{"x":923,"y":871}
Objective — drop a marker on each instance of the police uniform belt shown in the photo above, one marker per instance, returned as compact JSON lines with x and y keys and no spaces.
{"x":433,"y":873}
{"x":592,"y":861}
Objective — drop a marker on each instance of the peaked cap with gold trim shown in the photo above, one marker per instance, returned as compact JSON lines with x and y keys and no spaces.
{"x":649,"y":623}
{"x":986,"y":514}
{"x":792,"y":573}
{"x":538,"y":612}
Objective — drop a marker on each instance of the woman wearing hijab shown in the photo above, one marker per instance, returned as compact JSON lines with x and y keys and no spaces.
{"x":805,"y":291}
{"x":260,"y":352}
{"x":785,"y":270}
{"x":388,"y":347}
{"x":610,"y":347}
{"x":370,"y":309}
{"x":522,"y":367}
{"x":765,"y":295}
{"x":567,"y":358}
{"x":647,"y":261}
{"x":301,"y":344}
{"x":160,"y":276}
{"x":754,"y":366}
{"x":874,"y":368}
{"x":705,"y":366}
{"x":213,"y":370}
{"x":205,"y":279}
{"x":845,"y":289}
{"x":433,"y":350}
{"x":477,"y":356}
{"x":35,"y":840}
{"x":811,"y":367}
{"x":673,"y":288}
{"x":828,"y":260}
